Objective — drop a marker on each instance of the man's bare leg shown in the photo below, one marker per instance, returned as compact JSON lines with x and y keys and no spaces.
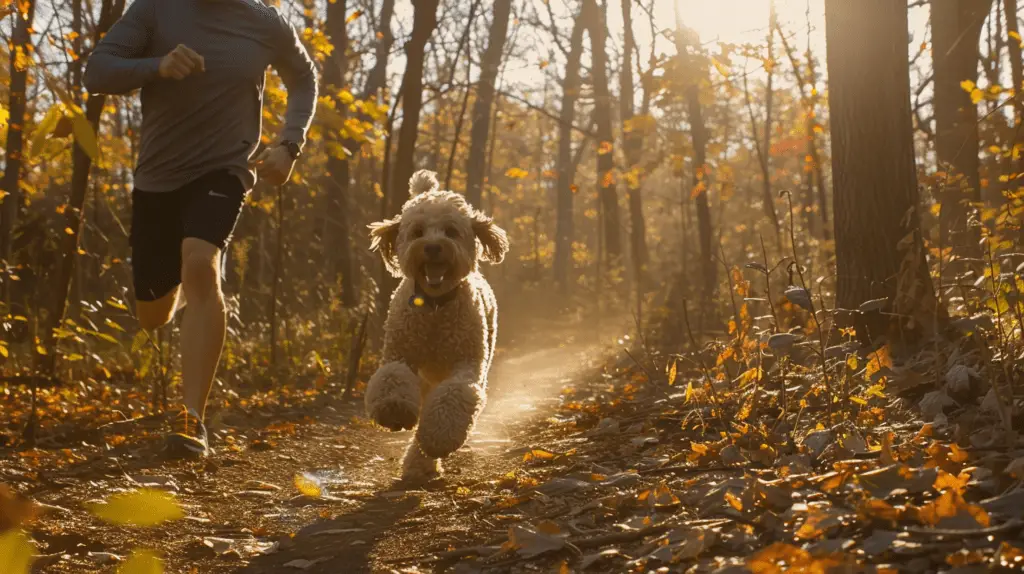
{"x":204,"y":324}
{"x":155,"y":314}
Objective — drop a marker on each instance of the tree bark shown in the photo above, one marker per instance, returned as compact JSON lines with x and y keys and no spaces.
{"x":486,"y":86}
{"x":424,"y":22}
{"x":612,"y":228}
{"x":1016,"y":73}
{"x":633,"y":143}
{"x":339,"y":249}
{"x":956,"y":32}
{"x":110,"y":11}
{"x":879,"y":249}
{"x":11,"y":202}
{"x":566,"y":168}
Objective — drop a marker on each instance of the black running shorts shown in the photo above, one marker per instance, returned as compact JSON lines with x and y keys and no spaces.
{"x":206,"y":208}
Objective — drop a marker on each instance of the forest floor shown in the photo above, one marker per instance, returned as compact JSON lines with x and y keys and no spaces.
{"x":585,"y":460}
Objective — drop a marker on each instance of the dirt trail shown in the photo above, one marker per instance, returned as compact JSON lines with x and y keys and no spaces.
{"x":244,"y":512}
{"x":398,"y":523}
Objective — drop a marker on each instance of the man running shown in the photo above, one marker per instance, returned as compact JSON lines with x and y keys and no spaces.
{"x":201,"y":66}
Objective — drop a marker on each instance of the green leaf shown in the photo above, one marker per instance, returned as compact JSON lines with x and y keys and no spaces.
{"x":16,"y":552}
{"x":143,"y":507}
{"x":45,"y":128}
{"x":142,"y":562}
{"x":85,"y":136}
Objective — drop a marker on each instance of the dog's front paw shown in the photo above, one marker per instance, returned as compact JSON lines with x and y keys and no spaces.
{"x":396,"y":415}
{"x":448,"y":417}
{"x":393,"y":397}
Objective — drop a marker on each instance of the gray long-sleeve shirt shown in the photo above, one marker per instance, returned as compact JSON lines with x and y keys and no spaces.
{"x":210,"y":120}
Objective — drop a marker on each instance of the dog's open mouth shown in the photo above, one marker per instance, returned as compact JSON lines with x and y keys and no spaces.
{"x":434,"y":274}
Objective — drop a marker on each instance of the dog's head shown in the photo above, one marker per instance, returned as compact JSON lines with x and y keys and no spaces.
{"x":438,"y":239}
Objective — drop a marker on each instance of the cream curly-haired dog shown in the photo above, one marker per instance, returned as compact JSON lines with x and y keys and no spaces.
{"x":441,"y":326}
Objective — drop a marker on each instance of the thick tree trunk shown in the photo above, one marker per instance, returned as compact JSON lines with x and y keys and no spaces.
{"x":956,"y":32}
{"x":612,"y":227}
{"x":879,"y":250}
{"x":486,"y":86}
{"x":633,"y":144}
{"x":110,"y":11}
{"x":424,"y":22}
{"x":11,"y":201}
{"x":566,"y":168}
{"x":338,"y":246}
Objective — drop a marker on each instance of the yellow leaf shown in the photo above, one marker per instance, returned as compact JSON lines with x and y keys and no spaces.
{"x":689,"y":392}
{"x":516,"y":173}
{"x":352,"y":17}
{"x":16,"y":552}
{"x":143,"y":507}
{"x":113,"y":325}
{"x":4,"y":351}
{"x":308,"y":485}
{"x":967,"y":85}
{"x":605,"y":147}
{"x":1015,"y":36}
{"x":734,"y":501}
{"x":977,"y":95}
{"x":85,"y":136}
{"x":142,"y":562}
{"x":45,"y":128}
{"x":994,"y":149}
{"x":41,"y":349}
{"x":722,"y":68}
{"x":672,"y":374}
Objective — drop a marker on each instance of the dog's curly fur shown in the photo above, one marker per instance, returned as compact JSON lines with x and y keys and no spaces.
{"x":442,"y":322}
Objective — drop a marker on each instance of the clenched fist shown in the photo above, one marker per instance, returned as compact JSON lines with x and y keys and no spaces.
{"x":181,"y":63}
{"x":273,"y":164}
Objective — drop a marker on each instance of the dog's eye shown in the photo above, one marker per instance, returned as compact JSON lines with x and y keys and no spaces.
{"x":416,"y":232}
{"x":452,"y":232}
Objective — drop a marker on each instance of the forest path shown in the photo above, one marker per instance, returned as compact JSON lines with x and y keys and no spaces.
{"x":394,"y":523}
{"x":244,"y":510}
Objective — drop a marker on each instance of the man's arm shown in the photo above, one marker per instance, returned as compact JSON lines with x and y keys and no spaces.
{"x":116,"y":65}
{"x":298,"y":72}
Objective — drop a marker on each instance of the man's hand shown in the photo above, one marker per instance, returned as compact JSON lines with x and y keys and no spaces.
{"x":181,"y":63}
{"x":274,"y":164}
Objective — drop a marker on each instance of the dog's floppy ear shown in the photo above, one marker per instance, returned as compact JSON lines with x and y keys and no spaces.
{"x":493,"y":238}
{"x":383,"y":236}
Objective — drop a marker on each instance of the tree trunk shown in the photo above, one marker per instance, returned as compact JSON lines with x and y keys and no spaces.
{"x":633,"y":144}
{"x":110,"y":11}
{"x":879,"y":250}
{"x":605,"y":138}
{"x":339,"y":241}
{"x":11,"y":202}
{"x":424,"y":22}
{"x":566,"y":168}
{"x":700,"y":184}
{"x":700,"y":188}
{"x":956,"y":32}
{"x":1016,"y":72}
{"x":486,"y":85}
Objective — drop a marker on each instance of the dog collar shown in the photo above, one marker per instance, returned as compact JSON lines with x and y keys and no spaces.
{"x":421,"y":299}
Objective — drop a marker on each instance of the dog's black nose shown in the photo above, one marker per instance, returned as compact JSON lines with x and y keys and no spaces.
{"x":432,"y":250}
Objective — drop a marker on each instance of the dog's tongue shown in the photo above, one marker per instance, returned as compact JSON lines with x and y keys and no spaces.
{"x":434,"y":273}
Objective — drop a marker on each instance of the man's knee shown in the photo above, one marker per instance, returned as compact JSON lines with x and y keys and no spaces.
{"x":200,"y":274}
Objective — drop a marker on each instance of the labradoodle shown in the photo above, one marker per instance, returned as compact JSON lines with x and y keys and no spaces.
{"x":441,"y":326}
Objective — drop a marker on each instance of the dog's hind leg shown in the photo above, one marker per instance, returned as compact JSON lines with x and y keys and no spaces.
{"x":449,"y":412}
{"x":417,"y":467}
{"x":393,"y":396}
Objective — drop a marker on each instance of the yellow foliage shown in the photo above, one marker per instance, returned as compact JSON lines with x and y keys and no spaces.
{"x":143,"y":507}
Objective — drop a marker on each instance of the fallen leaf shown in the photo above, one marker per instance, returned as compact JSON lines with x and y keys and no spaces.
{"x":16,"y":552}
{"x":142,"y":562}
{"x":143,"y":507}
